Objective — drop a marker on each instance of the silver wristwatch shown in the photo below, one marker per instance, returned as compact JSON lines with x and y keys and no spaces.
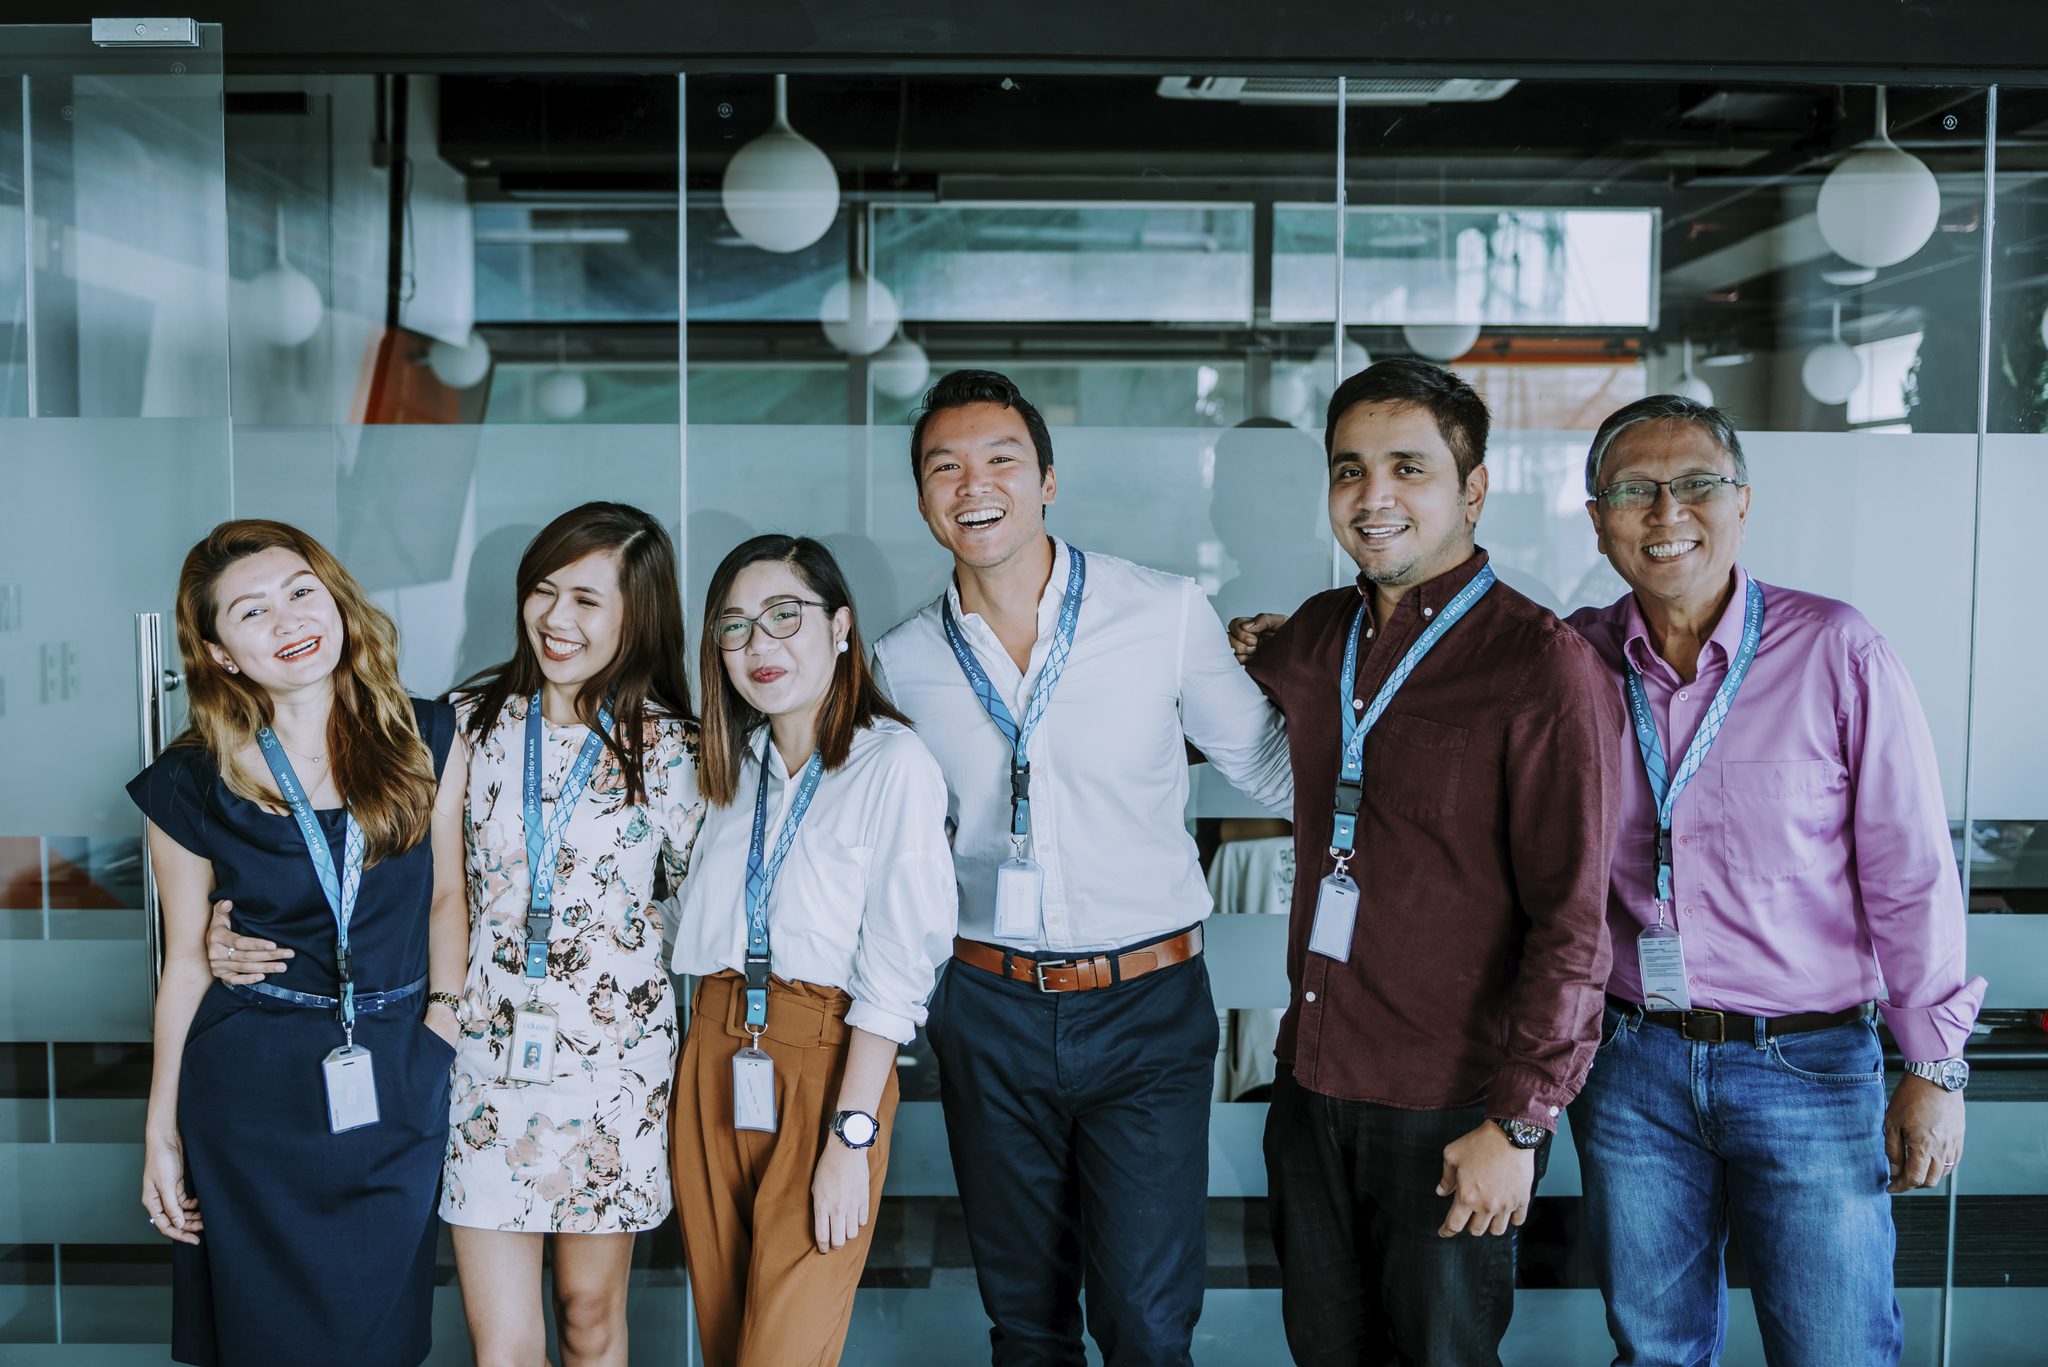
{"x":1949,"y":1074}
{"x":856,"y":1129}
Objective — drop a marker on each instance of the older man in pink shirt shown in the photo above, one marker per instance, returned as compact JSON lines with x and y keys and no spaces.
{"x":1783,"y":865}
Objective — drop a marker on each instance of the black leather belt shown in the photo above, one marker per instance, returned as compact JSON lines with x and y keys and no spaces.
{"x":1718,"y":1027}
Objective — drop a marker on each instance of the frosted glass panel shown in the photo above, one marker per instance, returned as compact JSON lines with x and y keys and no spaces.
{"x":2010,"y":777}
{"x":97,"y":517}
{"x":433,"y":519}
{"x":1824,"y":517}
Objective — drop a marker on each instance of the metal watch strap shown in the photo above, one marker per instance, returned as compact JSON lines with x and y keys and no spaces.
{"x":1949,"y":1074}
{"x":1523,"y":1134}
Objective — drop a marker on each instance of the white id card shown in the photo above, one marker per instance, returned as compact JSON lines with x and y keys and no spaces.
{"x":1020,"y":884}
{"x":351,"y":1088}
{"x":1336,"y":917}
{"x":532,"y":1055}
{"x":753,"y":1090}
{"x":1660,"y":956}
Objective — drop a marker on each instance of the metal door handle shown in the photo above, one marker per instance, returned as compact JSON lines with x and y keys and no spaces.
{"x":153,"y":685}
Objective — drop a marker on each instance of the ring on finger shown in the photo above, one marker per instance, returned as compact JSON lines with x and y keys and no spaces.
{"x":231,"y":951}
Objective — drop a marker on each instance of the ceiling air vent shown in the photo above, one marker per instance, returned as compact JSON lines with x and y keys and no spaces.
{"x":1295,"y":90}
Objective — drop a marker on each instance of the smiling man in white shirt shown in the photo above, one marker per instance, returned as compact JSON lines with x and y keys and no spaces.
{"x":1075,"y":1032}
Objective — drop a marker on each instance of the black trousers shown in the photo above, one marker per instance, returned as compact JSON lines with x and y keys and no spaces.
{"x":1079,"y":1127}
{"x":1365,"y":1280}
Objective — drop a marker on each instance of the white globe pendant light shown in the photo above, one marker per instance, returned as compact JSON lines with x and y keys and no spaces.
{"x":1440,"y":341}
{"x":1691,"y":386}
{"x":1880,"y":203}
{"x":562,"y":394}
{"x":901,"y":368}
{"x":1329,"y":372}
{"x":859,"y":314}
{"x":780,"y":190}
{"x":460,"y":367}
{"x":1833,"y":369}
{"x":281,"y":305}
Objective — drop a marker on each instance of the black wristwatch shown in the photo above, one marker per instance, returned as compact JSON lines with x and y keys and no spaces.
{"x":856,"y":1129}
{"x":1523,"y":1134}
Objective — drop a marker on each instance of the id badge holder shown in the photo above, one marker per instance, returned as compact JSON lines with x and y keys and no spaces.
{"x":351,"y":1079}
{"x":1660,"y":958}
{"x":753,"y":1088}
{"x":1336,"y":917}
{"x":1020,"y":889}
{"x":532,"y":1055}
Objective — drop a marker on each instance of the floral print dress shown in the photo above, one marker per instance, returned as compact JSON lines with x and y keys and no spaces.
{"x":587,"y":1153}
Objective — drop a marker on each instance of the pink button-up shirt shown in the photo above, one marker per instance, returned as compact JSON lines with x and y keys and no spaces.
{"x":1811,"y":862}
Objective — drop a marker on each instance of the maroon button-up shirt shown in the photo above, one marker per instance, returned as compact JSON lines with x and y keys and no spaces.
{"x":1491,"y":802}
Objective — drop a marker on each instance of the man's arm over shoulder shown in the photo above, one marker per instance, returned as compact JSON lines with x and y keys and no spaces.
{"x":1563,"y":762}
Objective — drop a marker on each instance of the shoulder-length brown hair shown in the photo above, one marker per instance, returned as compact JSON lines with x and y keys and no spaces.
{"x":854,"y":699}
{"x":379,"y":763}
{"x":649,"y":675}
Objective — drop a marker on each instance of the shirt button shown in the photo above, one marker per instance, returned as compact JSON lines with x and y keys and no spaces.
{"x":1553,"y":1110}
{"x":1429,"y":612}
{"x":1685,"y":840}
{"x":1683,"y":696}
{"x":1358,"y":704}
{"x":1308,"y":996}
{"x":1689,"y":911}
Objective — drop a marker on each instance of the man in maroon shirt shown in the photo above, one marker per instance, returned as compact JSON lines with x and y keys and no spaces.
{"x":1447,"y":951}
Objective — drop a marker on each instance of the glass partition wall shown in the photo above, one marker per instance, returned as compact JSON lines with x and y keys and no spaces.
{"x":524,"y":291}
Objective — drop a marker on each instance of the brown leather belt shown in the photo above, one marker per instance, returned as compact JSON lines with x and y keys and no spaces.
{"x":1083,"y":974}
{"x":1718,"y":1027}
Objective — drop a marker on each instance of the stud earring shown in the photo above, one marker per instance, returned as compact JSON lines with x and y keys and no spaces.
{"x":842,"y":647}
{"x":233,"y":670}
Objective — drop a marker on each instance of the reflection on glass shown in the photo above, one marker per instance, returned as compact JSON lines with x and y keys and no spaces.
{"x":1499,"y":267}
{"x":1067,"y":262}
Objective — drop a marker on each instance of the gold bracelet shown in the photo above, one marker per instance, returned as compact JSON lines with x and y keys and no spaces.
{"x":447,"y":999}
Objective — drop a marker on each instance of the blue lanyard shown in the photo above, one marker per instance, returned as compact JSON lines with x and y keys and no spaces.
{"x":1351,"y":776}
{"x":340,"y":891}
{"x":544,"y":836}
{"x":1019,"y":737}
{"x":761,"y":876}
{"x":1664,"y":789}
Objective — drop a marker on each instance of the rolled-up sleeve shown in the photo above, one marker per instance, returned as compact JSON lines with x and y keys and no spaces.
{"x":912,"y":909}
{"x":1563,"y":759}
{"x":1226,"y":715}
{"x":1904,"y":868}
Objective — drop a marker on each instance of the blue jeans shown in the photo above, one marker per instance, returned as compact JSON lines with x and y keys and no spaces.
{"x":1780,"y":1139}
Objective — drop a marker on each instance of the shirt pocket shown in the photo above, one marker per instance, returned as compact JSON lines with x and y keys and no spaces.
{"x":1776,"y":814}
{"x":1416,"y":766}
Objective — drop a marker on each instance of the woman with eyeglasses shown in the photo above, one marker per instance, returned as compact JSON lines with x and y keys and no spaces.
{"x":820,"y":901}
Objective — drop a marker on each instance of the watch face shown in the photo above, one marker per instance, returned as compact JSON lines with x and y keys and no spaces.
{"x":856,"y":1129}
{"x":1954,"y":1074}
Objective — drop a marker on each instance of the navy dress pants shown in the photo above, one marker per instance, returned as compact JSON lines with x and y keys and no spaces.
{"x":1079,"y":1126}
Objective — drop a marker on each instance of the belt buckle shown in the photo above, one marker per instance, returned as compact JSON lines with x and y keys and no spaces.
{"x":1687,"y":1024}
{"x":1038,"y":967}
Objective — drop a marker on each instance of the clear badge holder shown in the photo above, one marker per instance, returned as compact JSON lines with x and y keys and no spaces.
{"x":1020,"y":892}
{"x":753,"y":1087}
{"x":1660,"y":959}
{"x":1336,"y":918}
{"x":531,"y":1058}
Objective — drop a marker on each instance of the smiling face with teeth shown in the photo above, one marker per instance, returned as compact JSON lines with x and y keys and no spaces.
{"x":1675,"y":554}
{"x":980,"y":488}
{"x":278,"y":625}
{"x":1397,"y":505}
{"x":573,"y":619}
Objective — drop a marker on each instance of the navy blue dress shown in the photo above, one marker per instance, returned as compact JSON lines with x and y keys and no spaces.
{"x":318,"y":1247}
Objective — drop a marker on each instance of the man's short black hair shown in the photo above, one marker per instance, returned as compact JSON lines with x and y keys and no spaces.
{"x":1461,"y":416}
{"x":964,"y":387}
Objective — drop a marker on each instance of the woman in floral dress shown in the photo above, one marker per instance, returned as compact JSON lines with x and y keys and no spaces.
{"x":567,"y":1050}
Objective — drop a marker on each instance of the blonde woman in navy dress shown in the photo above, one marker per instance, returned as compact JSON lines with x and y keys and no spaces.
{"x":558,"y":1119}
{"x":295,"y":1126}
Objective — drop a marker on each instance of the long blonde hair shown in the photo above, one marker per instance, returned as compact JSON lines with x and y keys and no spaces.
{"x":380,"y":765}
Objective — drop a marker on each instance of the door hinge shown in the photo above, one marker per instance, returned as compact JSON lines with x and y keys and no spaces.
{"x":145,"y":33}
